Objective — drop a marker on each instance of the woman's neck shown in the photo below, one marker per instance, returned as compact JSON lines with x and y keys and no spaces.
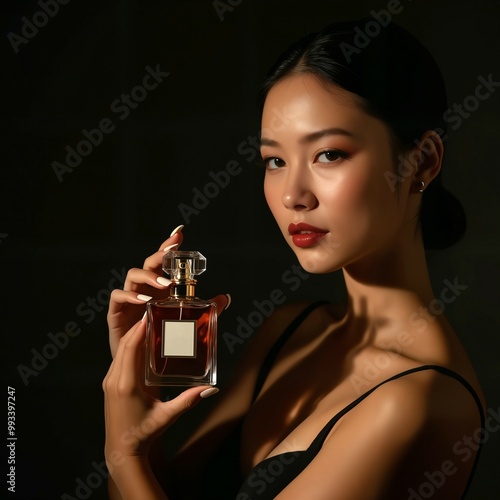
{"x":389,"y":285}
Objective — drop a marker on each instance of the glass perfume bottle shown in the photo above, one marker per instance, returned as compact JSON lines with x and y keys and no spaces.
{"x":181,"y":341}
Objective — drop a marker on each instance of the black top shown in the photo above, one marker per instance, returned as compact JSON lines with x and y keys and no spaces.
{"x":268,"y":478}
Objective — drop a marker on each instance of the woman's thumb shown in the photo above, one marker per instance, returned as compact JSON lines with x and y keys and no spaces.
{"x":188,"y":399}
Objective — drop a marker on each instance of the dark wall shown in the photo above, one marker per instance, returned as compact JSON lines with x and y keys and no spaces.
{"x":68,"y":233}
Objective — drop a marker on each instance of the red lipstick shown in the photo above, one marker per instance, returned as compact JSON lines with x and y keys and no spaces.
{"x":304,"y":235}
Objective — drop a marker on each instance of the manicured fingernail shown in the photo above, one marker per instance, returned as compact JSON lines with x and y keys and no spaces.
{"x":228,"y":301}
{"x":209,"y":392}
{"x":144,"y":298}
{"x":166,"y":249}
{"x":163,"y":281}
{"x":144,"y":317}
{"x":176,"y":230}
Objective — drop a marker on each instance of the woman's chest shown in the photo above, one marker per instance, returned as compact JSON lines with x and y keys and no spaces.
{"x":299,"y":397}
{"x":304,"y":392}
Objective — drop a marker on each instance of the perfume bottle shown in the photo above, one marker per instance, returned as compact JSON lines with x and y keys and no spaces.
{"x":181,"y":341}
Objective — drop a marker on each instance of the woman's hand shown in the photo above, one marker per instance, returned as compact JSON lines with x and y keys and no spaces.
{"x":127,"y":306}
{"x":134,"y":418}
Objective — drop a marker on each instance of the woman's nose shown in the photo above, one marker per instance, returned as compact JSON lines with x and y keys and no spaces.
{"x":297,"y":193}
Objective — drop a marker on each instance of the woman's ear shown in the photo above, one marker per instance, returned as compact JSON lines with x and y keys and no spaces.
{"x":431,"y":150}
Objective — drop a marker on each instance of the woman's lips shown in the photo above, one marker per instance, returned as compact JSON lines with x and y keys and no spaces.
{"x":305,"y":235}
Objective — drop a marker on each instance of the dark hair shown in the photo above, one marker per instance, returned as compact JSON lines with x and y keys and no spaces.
{"x":397,"y":81}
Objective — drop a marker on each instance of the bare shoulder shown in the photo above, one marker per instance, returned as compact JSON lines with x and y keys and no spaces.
{"x":431,"y":398}
{"x":416,"y":429}
{"x":431,"y":420}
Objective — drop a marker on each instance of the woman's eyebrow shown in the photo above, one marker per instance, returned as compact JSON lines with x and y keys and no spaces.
{"x":314,"y":136}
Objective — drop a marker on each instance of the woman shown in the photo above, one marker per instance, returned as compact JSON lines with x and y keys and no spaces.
{"x":371,"y":399}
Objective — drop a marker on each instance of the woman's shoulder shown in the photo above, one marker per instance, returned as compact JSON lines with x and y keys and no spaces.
{"x":432,"y":394}
{"x":427,"y":418}
{"x":438,"y":345}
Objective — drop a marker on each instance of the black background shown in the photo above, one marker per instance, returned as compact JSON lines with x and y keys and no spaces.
{"x":61,"y":242}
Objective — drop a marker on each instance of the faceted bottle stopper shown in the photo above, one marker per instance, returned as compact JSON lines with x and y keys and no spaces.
{"x":184,"y":265}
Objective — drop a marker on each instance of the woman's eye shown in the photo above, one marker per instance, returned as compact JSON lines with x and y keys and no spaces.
{"x":273,"y":163}
{"x":331,"y":156}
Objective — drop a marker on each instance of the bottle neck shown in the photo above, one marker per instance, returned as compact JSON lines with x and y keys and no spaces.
{"x":183,"y":288}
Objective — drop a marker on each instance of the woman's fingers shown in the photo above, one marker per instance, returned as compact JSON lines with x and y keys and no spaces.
{"x":167,"y":412}
{"x":151,"y":270}
{"x":119,"y":322}
{"x":116,"y":366}
{"x":120,"y":297}
{"x":130,"y":379}
{"x":190,"y":398}
{"x":140,"y":287}
{"x":137,"y":278}
{"x":175,"y":237}
{"x":124,"y":378}
{"x":153,"y":262}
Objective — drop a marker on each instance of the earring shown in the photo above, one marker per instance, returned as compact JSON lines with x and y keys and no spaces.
{"x":421,"y":188}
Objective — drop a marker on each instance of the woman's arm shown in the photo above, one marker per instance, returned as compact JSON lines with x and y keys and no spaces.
{"x":137,"y":481}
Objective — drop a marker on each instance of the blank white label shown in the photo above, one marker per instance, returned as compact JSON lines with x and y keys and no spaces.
{"x":179,"y":339}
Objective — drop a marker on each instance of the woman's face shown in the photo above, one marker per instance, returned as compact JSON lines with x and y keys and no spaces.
{"x":326,"y":182}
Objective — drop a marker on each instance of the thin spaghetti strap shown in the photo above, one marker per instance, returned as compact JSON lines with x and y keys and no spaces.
{"x":446,"y":371}
{"x":273,"y":353}
{"x":320,"y":438}
{"x":466,"y":384}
